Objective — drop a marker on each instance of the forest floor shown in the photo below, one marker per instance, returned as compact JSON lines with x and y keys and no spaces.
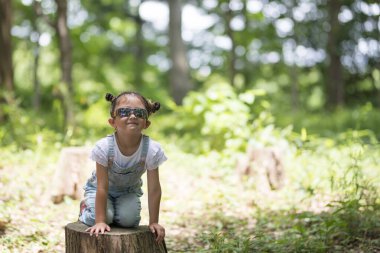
{"x":30,"y":222}
{"x":202,"y":208}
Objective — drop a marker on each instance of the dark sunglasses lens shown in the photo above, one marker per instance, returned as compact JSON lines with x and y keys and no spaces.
{"x":124,"y":112}
{"x":139,"y":113}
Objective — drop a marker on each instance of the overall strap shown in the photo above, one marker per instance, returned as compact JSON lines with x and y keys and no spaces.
{"x":145,"y":148}
{"x":111,"y":150}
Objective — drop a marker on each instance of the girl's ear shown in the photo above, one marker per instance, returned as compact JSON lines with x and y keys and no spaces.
{"x":111,"y":121}
{"x":147,"y":124}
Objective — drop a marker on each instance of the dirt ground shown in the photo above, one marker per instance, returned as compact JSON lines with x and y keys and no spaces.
{"x":192,"y":198}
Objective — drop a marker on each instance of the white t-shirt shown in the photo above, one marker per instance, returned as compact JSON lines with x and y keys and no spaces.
{"x":154,"y":159}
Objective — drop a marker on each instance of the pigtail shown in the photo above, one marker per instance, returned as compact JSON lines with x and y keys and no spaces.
{"x":109,"y":97}
{"x":154,"y":106}
{"x":112,"y":99}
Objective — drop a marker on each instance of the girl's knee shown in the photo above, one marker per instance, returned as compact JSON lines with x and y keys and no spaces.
{"x":88,"y":215}
{"x":128,"y":211}
{"x":128,"y":219}
{"x":109,"y":215}
{"x":89,"y":218}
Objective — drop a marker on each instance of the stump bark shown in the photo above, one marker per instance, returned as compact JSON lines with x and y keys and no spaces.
{"x":118,"y":240}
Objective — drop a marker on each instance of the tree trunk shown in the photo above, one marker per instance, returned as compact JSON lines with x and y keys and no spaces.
{"x":232,"y":58}
{"x":335,"y":82}
{"x":36,"y":81}
{"x":139,"y":50}
{"x":249,"y":68}
{"x":6,"y":65}
{"x":294,"y":87}
{"x":66,"y":88}
{"x":179,"y":72}
{"x":64,"y":43}
{"x":118,"y":240}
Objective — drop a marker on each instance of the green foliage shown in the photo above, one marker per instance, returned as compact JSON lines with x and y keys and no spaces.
{"x":361,"y":121}
{"x":22,"y":129}
{"x":218,"y":118}
{"x":348,"y":221}
{"x":223,"y":243}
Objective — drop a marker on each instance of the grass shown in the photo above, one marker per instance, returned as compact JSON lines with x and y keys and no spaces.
{"x":329,"y":204}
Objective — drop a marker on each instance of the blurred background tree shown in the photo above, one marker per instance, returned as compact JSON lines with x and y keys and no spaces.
{"x":60,"y":57}
{"x":6,"y":66}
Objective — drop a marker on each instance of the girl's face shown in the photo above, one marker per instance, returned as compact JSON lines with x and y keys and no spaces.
{"x":129,"y":121}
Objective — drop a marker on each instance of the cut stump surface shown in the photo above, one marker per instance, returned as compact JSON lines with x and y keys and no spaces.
{"x":118,"y":240}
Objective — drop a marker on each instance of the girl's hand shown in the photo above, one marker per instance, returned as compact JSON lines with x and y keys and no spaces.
{"x":158,"y":230}
{"x":98,"y":228}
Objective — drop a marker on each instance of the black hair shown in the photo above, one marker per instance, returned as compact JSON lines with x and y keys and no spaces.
{"x":150,"y":106}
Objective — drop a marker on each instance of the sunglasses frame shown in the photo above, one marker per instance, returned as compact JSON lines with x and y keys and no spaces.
{"x":123,"y":112}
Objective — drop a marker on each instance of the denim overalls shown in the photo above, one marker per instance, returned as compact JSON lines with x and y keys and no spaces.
{"x":124,"y":190}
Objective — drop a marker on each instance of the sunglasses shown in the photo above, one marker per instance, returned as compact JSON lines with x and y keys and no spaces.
{"x":127,"y":112}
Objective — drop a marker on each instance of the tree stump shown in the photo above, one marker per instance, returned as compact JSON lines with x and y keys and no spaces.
{"x":73,"y":169}
{"x":118,"y":240}
{"x":265,"y":165}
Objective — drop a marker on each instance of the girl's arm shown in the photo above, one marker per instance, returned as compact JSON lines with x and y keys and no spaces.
{"x":100,"y":201}
{"x":154,"y":198}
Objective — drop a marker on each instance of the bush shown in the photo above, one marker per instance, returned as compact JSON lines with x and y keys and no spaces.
{"x":218,"y":118}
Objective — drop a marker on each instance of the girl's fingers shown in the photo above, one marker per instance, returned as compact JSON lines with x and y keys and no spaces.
{"x":98,"y":230}
{"x":160,"y":235}
{"x":94,"y":231}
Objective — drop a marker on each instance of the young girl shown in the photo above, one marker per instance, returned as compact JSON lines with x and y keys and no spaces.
{"x":112,"y":194}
